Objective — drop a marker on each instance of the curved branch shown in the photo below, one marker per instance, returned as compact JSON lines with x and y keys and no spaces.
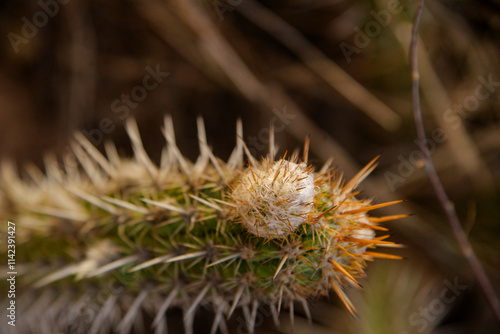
{"x":447,"y":205}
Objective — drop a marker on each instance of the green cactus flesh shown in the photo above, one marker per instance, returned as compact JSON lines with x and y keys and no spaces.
{"x":108,"y":244}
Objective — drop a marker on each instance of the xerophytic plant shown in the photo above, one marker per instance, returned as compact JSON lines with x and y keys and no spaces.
{"x":209,"y":234}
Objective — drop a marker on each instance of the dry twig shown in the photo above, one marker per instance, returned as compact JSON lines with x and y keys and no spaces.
{"x":447,"y":205}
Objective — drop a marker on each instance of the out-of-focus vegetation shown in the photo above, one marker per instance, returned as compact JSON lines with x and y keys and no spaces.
{"x":336,"y":70}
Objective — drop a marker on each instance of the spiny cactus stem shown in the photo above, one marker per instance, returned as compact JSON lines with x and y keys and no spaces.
{"x":188,"y":235}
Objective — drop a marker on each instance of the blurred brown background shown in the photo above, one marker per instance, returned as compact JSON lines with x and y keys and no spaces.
{"x":336,"y":70}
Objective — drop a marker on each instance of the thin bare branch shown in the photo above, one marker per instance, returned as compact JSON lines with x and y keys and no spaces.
{"x":447,"y":205}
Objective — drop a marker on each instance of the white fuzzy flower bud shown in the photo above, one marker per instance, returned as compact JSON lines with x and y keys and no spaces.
{"x":274,"y":200}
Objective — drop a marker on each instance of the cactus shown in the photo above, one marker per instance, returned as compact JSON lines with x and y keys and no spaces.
{"x":106,"y":243}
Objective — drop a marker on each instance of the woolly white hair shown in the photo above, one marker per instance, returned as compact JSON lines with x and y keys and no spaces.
{"x":275,"y":199}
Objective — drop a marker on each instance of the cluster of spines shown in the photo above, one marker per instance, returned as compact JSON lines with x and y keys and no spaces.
{"x":171,"y":235}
